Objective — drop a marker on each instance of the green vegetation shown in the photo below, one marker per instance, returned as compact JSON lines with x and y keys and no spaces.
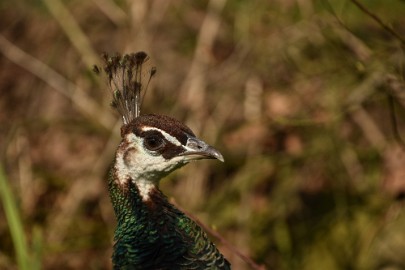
{"x":14,"y":222}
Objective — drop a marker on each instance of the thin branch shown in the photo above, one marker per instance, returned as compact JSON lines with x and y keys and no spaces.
{"x":368,"y":126}
{"x":54,"y":79}
{"x":112,"y":11}
{"x":73,"y":31}
{"x":396,"y":92}
{"x":379,"y":21}
{"x":347,"y":36}
{"x":192,"y":92}
{"x":394,"y":122}
{"x":396,"y":88}
{"x":194,"y":86}
{"x":217,"y":235}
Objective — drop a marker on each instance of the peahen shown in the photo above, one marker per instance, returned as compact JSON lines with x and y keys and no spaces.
{"x":152,"y":233}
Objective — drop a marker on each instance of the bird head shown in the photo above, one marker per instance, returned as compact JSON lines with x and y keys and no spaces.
{"x":154,"y":145}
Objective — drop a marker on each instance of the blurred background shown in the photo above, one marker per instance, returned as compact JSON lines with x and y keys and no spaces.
{"x":299,"y":96}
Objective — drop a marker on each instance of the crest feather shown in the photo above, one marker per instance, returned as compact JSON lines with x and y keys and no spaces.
{"x":125,"y":79}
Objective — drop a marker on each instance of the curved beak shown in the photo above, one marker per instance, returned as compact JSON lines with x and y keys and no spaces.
{"x":198,"y":149}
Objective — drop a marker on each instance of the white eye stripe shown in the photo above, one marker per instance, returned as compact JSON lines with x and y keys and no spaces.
{"x":168,"y":137}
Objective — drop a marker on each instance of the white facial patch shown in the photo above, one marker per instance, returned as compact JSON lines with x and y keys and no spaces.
{"x":134,"y":162}
{"x":167,"y":136}
{"x":145,"y":187}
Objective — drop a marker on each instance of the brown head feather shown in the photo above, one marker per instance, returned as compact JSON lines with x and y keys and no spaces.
{"x":170,"y":125}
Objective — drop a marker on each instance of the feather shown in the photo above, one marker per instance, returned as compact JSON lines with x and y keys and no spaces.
{"x":125,"y":76}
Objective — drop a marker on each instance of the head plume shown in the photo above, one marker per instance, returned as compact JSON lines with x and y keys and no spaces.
{"x":125,"y":79}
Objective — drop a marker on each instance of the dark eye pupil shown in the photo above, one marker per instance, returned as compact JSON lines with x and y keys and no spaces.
{"x":153,"y":142}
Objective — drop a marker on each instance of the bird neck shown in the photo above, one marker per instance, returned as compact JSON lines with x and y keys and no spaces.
{"x":151,"y":233}
{"x":134,"y":199}
{"x":146,"y":224}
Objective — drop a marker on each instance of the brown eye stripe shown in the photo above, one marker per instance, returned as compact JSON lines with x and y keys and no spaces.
{"x":169,"y":150}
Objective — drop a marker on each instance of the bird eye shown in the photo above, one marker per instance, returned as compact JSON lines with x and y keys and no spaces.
{"x":153,"y":142}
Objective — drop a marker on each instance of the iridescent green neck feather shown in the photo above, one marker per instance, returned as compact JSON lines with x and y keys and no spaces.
{"x":154,"y":234}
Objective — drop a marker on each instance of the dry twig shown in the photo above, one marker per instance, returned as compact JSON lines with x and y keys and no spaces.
{"x":73,"y":31}
{"x":85,"y":104}
{"x":379,"y":21}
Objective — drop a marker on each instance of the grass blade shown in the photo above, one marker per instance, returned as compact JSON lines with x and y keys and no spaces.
{"x":14,"y":222}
